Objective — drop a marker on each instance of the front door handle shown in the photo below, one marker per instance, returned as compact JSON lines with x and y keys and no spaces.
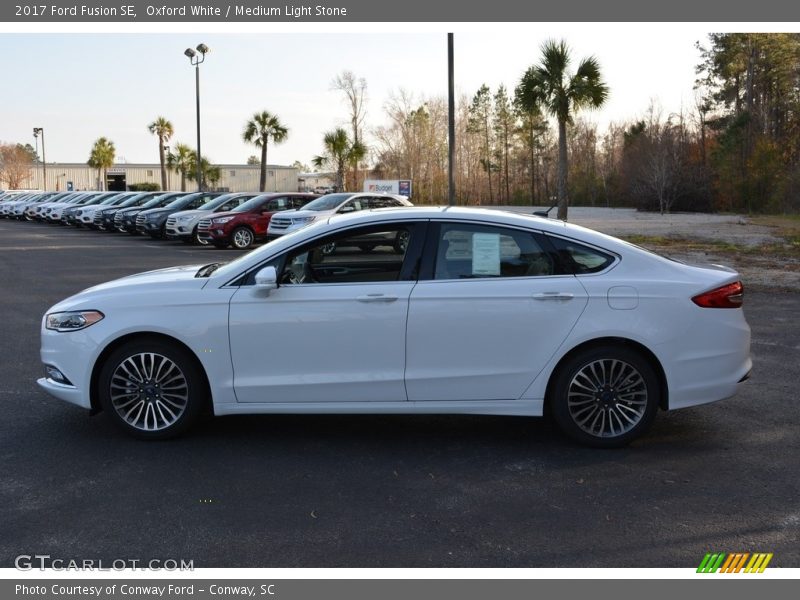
{"x":376,"y":298}
{"x":557,"y":296}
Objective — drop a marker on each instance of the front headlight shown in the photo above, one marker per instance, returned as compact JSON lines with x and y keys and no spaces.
{"x":222,"y":220}
{"x":303,"y":219}
{"x":72,"y":320}
{"x":183,"y":219}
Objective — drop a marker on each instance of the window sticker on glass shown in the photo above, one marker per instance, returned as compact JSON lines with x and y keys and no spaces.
{"x":485,"y":254}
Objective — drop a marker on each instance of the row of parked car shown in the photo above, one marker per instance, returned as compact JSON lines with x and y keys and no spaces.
{"x":237,"y":220}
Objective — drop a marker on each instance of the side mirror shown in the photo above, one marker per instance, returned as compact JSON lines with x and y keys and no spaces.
{"x":346,"y":209}
{"x":267,"y":279}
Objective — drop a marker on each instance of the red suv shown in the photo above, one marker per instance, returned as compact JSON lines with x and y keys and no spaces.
{"x":248,"y":222}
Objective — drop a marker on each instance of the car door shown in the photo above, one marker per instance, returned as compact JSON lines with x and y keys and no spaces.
{"x":494,"y":310}
{"x":335,"y":328}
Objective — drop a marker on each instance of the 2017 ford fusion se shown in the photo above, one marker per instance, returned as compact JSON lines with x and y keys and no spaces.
{"x":480,"y":312}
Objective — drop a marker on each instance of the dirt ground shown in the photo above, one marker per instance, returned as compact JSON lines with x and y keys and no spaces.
{"x":765,"y":250}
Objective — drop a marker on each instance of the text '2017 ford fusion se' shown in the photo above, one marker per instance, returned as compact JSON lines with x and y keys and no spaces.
{"x":479,"y":312}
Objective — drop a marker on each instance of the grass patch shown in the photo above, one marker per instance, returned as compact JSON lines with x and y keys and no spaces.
{"x":663,"y":244}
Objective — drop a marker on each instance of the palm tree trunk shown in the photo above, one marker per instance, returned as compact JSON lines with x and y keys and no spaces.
{"x":562,"y":170}
{"x":183,"y":181}
{"x":262,"y":185}
{"x":163,"y":161}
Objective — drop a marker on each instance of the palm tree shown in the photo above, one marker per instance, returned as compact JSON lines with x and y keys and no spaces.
{"x":182,"y":160}
{"x":258,"y":131}
{"x":101,"y":158}
{"x":339,"y":152}
{"x":164,"y":130}
{"x":211,"y":173}
{"x":562,"y":93}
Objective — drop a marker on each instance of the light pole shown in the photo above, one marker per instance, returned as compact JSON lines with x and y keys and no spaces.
{"x":451,"y":124}
{"x":36,"y":132}
{"x":195,"y":58}
{"x":169,"y":160}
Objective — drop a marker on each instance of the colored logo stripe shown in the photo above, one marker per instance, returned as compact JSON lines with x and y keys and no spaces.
{"x":734,"y":563}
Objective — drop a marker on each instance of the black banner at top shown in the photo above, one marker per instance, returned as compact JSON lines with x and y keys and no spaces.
{"x":353,"y":11}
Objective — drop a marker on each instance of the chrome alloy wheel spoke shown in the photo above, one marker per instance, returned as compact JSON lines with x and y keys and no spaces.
{"x":607,"y":398}
{"x":149,"y":391}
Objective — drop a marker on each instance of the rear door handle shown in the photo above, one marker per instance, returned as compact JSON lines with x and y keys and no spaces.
{"x":376,"y":298}
{"x":557,"y":296}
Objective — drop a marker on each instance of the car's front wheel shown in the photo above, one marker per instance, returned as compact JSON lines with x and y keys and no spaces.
{"x":152,"y":389}
{"x":197,"y":239}
{"x":605,"y":396}
{"x":242,"y":238}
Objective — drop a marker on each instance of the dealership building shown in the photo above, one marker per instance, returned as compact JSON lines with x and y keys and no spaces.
{"x":235,"y":178}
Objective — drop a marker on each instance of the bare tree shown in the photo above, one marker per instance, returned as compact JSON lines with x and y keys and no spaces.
{"x":355,"y":92}
{"x":15,"y":165}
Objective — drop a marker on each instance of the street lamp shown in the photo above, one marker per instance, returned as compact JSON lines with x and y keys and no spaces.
{"x":36,"y":132}
{"x":169,"y":161}
{"x":195,"y":58}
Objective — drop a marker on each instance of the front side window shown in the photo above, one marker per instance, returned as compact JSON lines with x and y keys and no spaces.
{"x":354,"y":205}
{"x":365,"y":255}
{"x":277,"y":204}
{"x":467,"y":251}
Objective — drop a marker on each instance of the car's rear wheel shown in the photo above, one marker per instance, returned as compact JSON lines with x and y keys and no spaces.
{"x":401,"y":242}
{"x":152,"y":389}
{"x":605,"y":396}
{"x":242,"y":238}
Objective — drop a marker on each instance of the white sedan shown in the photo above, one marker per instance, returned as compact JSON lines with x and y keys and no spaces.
{"x":481,"y":312}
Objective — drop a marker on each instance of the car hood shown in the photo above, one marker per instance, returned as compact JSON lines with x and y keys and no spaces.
{"x":167,"y":281}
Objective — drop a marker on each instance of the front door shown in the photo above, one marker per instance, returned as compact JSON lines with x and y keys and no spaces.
{"x":334,"y":330}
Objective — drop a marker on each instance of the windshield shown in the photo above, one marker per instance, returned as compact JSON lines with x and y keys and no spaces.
{"x":328,"y":202}
{"x":215,"y":202}
{"x":250,"y":204}
{"x":180,"y":201}
{"x":159,"y":201}
{"x":111,"y":200}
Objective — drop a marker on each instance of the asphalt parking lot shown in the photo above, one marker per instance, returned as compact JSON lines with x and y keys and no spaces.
{"x":379,"y":491}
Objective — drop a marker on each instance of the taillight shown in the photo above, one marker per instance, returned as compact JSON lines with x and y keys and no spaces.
{"x":727,"y":296}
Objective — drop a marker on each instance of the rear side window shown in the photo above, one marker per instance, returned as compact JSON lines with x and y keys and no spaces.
{"x":579,"y":259}
{"x":467,"y":251}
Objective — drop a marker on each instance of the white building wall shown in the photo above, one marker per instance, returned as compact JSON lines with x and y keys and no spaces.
{"x":235,"y":178}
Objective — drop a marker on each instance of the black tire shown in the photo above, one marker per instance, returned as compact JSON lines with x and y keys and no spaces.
{"x":195,"y":238}
{"x":242,"y":238}
{"x":605,"y":397}
{"x":159,"y":409}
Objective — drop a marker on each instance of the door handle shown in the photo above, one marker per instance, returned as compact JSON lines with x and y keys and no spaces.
{"x":376,"y":298}
{"x":558,"y":296}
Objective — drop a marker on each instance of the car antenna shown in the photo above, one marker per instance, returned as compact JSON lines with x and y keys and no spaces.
{"x":545,"y":213}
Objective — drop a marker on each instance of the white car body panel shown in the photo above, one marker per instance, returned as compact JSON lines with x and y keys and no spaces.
{"x":363,"y":359}
{"x":317,"y":348}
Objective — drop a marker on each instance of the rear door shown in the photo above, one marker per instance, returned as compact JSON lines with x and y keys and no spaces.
{"x":492,"y":314}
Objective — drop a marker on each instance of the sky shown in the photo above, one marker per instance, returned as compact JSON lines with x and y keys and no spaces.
{"x":81,"y":86}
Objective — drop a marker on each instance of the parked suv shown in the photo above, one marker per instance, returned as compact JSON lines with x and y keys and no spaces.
{"x":104,"y":217}
{"x":125,"y":219}
{"x":334,"y":204}
{"x":248,"y":223}
{"x":153,"y":221}
{"x":183,"y":225}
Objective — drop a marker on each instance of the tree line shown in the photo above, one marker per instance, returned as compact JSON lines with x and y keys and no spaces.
{"x":735,"y":148}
